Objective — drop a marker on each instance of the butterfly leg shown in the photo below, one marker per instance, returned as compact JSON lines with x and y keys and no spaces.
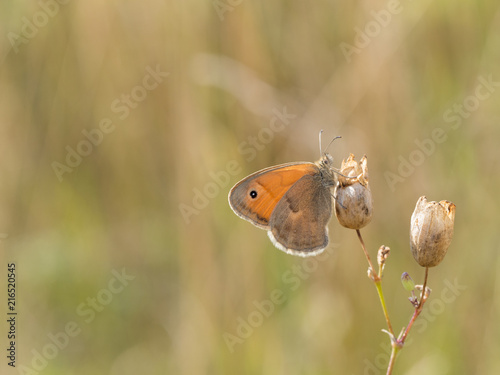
{"x":336,"y":200}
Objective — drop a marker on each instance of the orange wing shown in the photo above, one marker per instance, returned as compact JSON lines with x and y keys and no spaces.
{"x":255,"y":197}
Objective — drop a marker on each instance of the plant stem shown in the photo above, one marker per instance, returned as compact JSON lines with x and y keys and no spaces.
{"x":418,"y":309}
{"x":423,"y":287}
{"x":366,"y":252}
{"x":392,"y":360}
{"x":378,"y":283}
{"x":398,"y":344}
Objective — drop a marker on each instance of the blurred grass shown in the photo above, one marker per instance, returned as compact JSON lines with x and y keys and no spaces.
{"x":120,"y":207}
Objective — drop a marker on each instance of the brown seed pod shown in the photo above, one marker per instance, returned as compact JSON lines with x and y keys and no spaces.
{"x":431,"y":231}
{"x":353,"y":198}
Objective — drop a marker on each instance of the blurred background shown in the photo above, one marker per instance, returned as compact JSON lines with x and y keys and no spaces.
{"x":125,"y":124}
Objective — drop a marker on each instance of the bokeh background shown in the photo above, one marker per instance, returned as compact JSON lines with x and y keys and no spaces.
{"x":199,"y":271}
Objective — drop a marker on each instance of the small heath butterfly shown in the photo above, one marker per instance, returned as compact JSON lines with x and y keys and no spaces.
{"x":292,"y":201}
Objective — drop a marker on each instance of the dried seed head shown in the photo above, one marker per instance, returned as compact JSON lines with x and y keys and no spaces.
{"x":431,"y":231}
{"x":353,"y":203}
{"x":382,"y":255}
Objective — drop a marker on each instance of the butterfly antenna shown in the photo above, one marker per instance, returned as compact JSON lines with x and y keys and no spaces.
{"x":320,"y":151}
{"x":338,"y":136}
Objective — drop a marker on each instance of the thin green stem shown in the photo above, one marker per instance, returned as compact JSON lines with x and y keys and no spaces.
{"x":392,"y":360}
{"x":396,"y":343}
{"x":378,"y":285}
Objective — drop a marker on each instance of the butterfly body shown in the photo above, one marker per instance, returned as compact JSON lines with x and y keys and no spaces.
{"x":292,"y":201}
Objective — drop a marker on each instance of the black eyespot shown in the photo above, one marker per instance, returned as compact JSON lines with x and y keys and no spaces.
{"x":253,"y":194}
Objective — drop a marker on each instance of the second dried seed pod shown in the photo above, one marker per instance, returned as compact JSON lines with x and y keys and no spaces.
{"x":431,"y":231}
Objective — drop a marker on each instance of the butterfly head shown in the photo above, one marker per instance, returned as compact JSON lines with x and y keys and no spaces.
{"x":327,"y":171}
{"x":326,"y":161}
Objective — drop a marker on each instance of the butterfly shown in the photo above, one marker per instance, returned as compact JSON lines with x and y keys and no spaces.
{"x":292,"y":201}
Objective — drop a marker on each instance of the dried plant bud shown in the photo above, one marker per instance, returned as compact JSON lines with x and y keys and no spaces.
{"x":431,"y":231}
{"x":382,"y":255}
{"x":407,"y":282}
{"x":427,"y":290}
{"x":413,"y":300}
{"x":353,"y":203}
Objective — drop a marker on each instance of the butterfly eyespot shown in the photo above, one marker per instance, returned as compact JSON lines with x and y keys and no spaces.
{"x":253,"y":194}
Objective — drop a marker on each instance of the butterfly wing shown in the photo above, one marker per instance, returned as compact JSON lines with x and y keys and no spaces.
{"x":298,"y":224}
{"x":255,"y":197}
